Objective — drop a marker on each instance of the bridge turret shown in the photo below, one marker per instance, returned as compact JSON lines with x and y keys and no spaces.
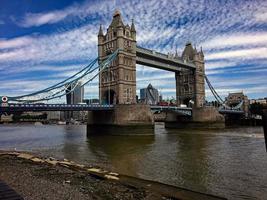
{"x":100,"y":41}
{"x":176,"y":56}
{"x":100,"y":32}
{"x":117,"y":84}
{"x":190,"y":85}
{"x":189,"y":52}
{"x":133,"y":31}
{"x":199,"y":78}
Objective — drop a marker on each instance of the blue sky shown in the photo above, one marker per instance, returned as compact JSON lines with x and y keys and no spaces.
{"x":43,"y":42}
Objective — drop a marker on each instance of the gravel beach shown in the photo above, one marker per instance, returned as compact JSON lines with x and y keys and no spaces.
{"x":41,"y":181}
{"x":37,"y":178}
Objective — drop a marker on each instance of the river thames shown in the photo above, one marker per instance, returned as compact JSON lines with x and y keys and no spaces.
{"x":228,"y":162}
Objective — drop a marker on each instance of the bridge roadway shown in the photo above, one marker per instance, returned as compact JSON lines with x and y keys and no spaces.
{"x":158,"y":60}
{"x":12,"y":107}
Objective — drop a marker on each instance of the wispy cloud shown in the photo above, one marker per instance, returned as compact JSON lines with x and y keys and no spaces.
{"x":237,"y":39}
{"x":253,"y":53}
{"x":232,"y":35}
{"x":81,"y":11}
{"x":14,"y":43}
{"x":77,"y":44}
{"x":39,"y":19}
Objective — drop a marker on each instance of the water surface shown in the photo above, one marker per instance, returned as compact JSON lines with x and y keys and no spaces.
{"x":228,"y":162}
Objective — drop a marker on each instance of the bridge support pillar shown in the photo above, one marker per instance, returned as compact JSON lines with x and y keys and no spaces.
{"x":204,"y":117}
{"x":124,"y":119}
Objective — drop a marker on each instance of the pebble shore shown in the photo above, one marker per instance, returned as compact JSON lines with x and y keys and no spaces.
{"x":36,"y":178}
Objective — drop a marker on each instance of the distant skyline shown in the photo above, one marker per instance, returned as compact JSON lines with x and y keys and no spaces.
{"x":44,"y":42}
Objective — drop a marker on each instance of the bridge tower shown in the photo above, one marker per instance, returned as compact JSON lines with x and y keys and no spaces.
{"x":190,"y":84}
{"x":117,"y":84}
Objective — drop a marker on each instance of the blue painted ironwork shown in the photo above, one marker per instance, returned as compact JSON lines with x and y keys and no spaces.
{"x":60,"y":89}
{"x":19,"y":107}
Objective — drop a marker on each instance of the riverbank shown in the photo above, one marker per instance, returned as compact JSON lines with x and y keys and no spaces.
{"x":46,"y":178}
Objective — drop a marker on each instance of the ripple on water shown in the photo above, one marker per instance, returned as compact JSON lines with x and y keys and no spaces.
{"x":227,"y":162}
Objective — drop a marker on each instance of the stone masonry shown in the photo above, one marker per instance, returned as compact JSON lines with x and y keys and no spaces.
{"x":117,"y":84}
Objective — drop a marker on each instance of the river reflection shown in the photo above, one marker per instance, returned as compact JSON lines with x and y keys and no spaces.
{"x":114,"y":148}
{"x":228,"y":162}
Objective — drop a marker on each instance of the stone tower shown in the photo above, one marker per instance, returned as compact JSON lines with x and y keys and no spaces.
{"x":190,"y":84}
{"x":117,"y":83}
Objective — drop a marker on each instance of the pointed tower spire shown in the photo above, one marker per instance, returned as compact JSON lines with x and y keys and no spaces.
{"x":188,"y":52}
{"x":100,"y":32}
{"x":201,"y":51}
{"x":176,"y":54}
{"x":117,"y":20}
{"x":133,"y":26}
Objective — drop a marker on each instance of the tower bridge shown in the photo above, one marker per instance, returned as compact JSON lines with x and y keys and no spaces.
{"x":118,"y":82}
{"x":118,"y":55}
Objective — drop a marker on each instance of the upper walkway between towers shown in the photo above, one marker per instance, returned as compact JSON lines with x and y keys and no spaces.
{"x":162,"y":61}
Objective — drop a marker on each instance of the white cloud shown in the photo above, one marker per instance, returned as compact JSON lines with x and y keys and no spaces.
{"x":39,"y":19}
{"x":253,"y":53}
{"x":236,"y":39}
{"x":261,"y":16}
{"x":161,"y":25}
{"x":77,"y":44}
{"x":248,"y":91}
{"x":237,"y":71}
{"x":75,"y":10}
{"x":219,"y":64}
{"x":16,"y":42}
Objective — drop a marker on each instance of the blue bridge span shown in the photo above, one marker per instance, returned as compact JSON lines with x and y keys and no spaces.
{"x":15,"y":107}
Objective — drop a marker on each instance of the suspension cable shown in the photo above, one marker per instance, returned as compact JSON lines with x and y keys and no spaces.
{"x":57,"y":94}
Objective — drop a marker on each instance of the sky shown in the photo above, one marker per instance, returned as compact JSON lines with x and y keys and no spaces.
{"x":44,"y":42}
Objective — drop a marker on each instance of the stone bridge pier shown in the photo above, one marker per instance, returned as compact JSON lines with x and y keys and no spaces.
{"x":202,"y":117}
{"x":124,"y":119}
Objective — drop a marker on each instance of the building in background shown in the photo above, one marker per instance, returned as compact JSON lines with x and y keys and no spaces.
{"x":260,"y":101}
{"x":234,"y":99}
{"x":74,"y":97}
{"x":77,"y":95}
{"x":91,"y":101}
{"x":149,"y":95}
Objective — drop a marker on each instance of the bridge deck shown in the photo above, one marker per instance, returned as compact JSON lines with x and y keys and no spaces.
{"x":53,"y":107}
{"x":158,"y":60}
{"x":12,"y":107}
